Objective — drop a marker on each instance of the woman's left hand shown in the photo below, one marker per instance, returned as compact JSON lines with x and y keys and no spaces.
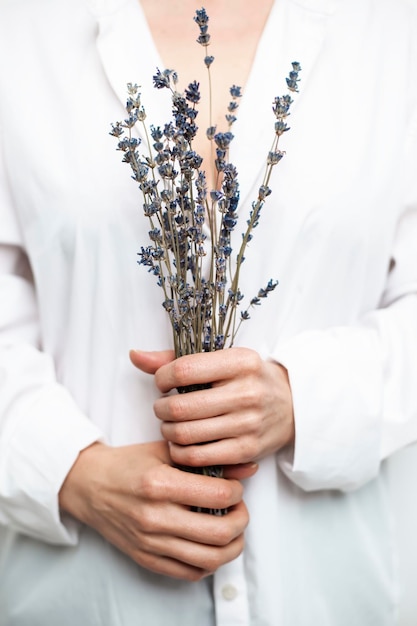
{"x":246,"y":414}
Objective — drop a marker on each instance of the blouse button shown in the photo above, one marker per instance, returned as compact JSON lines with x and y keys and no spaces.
{"x":229,"y":592}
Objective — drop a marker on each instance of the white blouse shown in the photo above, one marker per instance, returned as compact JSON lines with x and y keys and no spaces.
{"x":340,"y":234}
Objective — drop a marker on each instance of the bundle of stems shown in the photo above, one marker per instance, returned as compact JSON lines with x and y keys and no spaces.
{"x":191,"y":225}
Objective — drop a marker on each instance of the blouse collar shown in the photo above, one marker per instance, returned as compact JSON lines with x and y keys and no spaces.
{"x":295,"y":31}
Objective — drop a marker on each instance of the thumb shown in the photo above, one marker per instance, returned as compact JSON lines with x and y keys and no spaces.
{"x":150,"y":362}
{"x":244,"y":470}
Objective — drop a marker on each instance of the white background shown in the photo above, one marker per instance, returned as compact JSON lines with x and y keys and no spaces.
{"x":404,"y":500}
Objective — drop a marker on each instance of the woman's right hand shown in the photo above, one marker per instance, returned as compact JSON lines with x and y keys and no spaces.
{"x":136,"y":500}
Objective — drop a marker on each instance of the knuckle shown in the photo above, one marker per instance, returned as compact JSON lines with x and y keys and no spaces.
{"x":238,"y":546}
{"x":181,"y":434}
{"x":182,"y":370}
{"x":250,"y":360}
{"x":250,"y":422}
{"x":146,"y":520}
{"x":189,"y":454}
{"x":214,"y":559}
{"x":147,"y":486}
{"x":193,"y":455}
{"x":223,"y":535}
{"x":252,"y":393}
{"x":176,"y":407}
{"x":250,"y":448}
{"x":224,"y":494}
{"x":151,"y":484}
{"x":244,"y":518}
{"x":241,"y":521}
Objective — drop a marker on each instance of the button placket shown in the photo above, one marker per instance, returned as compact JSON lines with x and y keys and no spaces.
{"x":230,"y":593}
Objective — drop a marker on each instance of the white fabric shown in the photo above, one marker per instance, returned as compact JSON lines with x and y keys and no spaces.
{"x":339,"y":232}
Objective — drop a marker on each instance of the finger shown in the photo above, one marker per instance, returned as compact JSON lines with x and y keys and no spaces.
{"x":150,"y":362}
{"x":241,"y":471}
{"x":169,"y":519}
{"x":197,"y":405}
{"x":207,"y":367}
{"x":200,"y":430}
{"x":189,"y":489}
{"x":240,"y":429}
{"x":169,"y":567}
{"x":178,"y":521}
{"x":205,"y":542}
{"x":197,"y":555}
{"x":233,"y":396}
{"x":234,"y":451}
{"x":158,"y":563}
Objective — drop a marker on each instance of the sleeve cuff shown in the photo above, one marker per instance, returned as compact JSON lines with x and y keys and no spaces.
{"x":336,"y":380}
{"x":41,"y":449}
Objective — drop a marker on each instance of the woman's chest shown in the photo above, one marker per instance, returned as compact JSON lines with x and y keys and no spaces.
{"x":229,"y":34}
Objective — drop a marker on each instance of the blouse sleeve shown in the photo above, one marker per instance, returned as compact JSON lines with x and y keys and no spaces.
{"x":355,"y":388}
{"x":42,"y":430}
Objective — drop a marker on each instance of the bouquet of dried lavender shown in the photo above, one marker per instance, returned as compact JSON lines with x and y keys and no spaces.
{"x":189,"y":222}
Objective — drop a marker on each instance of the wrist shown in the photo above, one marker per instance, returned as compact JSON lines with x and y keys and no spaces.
{"x":81,"y":481}
{"x":285,"y":402}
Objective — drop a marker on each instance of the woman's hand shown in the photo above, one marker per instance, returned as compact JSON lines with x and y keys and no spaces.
{"x":141,"y":504}
{"x":246,"y":414}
